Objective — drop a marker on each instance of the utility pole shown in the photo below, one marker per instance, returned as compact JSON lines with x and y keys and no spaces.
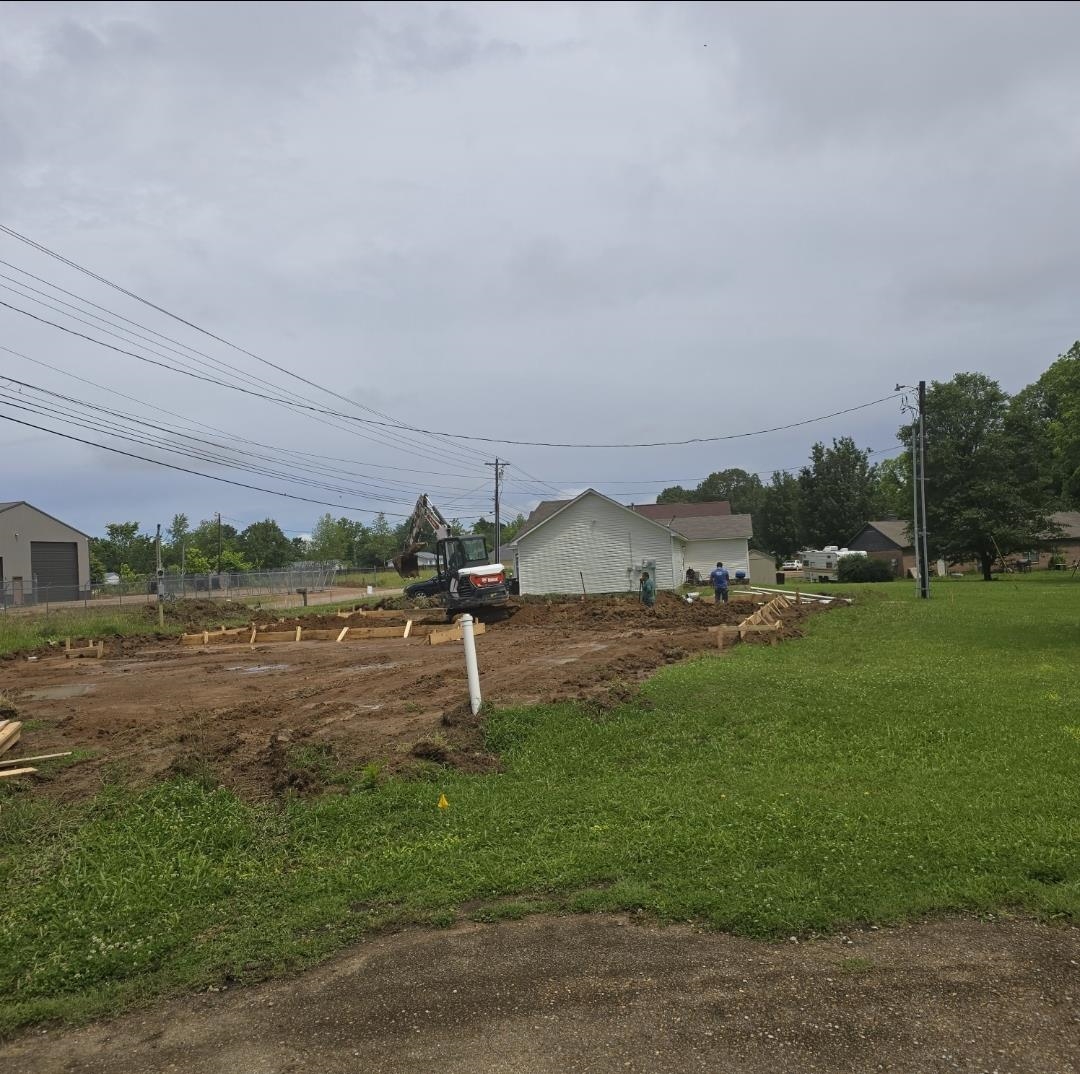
{"x":924,"y":576}
{"x":499,"y":467}
{"x":219,"y":543}
{"x":160,"y":580}
{"x":918,"y":491}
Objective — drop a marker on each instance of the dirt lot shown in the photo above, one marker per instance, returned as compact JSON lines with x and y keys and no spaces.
{"x":600,"y":995}
{"x":241,"y":715}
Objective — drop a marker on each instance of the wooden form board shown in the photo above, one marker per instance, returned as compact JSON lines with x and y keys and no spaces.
{"x":454,"y":633}
{"x":7,"y":773}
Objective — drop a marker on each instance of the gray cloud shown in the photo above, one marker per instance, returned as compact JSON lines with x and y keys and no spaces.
{"x":626,"y":222}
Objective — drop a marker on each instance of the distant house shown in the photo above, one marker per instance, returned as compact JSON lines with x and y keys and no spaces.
{"x":593,"y":544}
{"x":41,"y":558}
{"x":713,"y":534}
{"x":1064,"y":547}
{"x":887,"y":539}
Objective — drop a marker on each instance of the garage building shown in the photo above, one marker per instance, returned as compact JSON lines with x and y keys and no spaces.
{"x":41,"y":558}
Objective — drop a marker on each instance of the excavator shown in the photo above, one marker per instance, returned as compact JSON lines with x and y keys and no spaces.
{"x":465,"y":578}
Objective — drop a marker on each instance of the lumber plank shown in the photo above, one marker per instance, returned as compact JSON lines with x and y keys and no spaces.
{"x":408,"y":629}
{"x":7,"y":773}
{"x":275,"y":636}
{"x":318,"y":634}
{"x":39,"y":757}
{"x":363,"y":633}
{"x":9,"y":735}
{"x":442,"y":637}
{"x":299,"y":632}
{"x":254,"y":631}
{"x":344,"y":631}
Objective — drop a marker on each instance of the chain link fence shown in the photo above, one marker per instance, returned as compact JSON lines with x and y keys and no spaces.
{"x":142,"y":589}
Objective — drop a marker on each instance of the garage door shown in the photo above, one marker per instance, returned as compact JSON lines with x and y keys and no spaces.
{"x":55,"y":566}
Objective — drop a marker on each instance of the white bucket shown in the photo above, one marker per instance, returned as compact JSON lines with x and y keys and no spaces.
{"x":370,"y":590}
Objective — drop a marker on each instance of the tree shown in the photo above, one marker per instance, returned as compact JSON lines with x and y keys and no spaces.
{"x":123,"y":548}
{"x":328,"y":542}
{"x":743,"y":491}
{"x":178,"y":530}
{"x":837,"y":493}
{"x":1054,"y":404}
{"x":984,"y":494}
{"x":97,"y":566}
{"x":893,"y":493}
{"x":776,"y":525}
{"x":265,"y":546}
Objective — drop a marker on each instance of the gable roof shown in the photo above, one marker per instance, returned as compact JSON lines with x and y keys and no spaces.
{"x":9,"y":504}
{"x":1069,"y":521}
{"x":548,"y":509}
{"x":664,"y":512}
{"x":892,"y":529}
{"x":716,"y":528}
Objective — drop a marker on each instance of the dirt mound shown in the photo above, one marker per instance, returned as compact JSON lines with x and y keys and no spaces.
{"x":668,"y":611}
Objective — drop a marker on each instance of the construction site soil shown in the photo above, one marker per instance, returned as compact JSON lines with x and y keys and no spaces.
{"x":270,"y":718}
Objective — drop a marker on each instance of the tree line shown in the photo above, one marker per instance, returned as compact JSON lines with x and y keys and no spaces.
{"x":214,"y":546}
{"x":997,"y":467}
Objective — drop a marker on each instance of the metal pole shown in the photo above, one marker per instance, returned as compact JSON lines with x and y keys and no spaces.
{"x":219,"y":543}
{"x":924,"y":578}
{"x":472,"y":672}
{"x":915,"y":494}
{"x":160,"y":580}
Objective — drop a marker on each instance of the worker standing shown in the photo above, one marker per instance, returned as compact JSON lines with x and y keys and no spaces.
{"x":648,"y":590}
{"x":720,"y":578}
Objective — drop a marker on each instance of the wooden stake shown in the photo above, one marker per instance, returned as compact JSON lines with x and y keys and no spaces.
{"x":298,"y":632}
{"x":344,"y":631}
{"x":408,"y":629}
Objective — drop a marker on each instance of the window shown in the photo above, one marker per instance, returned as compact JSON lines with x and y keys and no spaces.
{"x":475,"y":549}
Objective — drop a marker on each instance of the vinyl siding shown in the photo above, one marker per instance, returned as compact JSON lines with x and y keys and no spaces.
{"x":733,"y":552}
{"x":603,"y":541}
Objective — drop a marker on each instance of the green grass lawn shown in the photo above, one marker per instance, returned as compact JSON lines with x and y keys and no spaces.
{"x":904,"y":758}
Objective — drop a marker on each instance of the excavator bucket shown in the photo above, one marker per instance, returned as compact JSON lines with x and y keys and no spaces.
{"x":407,"y":564}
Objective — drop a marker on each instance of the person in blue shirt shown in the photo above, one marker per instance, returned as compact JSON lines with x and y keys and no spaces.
{"x":720,"y":579}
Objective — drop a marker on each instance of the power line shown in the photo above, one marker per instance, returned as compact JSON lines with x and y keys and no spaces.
{"x":197,"y":473}
{"x":459,"y":436}
{"x":222,"y":432}
{"x":41,"y":248}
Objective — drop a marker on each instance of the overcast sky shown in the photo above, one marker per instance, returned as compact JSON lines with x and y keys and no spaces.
{"x":550,"y":222}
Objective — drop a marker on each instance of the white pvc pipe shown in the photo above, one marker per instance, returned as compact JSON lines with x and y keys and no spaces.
{"x":471,"y":670}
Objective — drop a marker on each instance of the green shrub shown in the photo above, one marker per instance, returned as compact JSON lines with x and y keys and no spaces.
{"x":863,"y":569}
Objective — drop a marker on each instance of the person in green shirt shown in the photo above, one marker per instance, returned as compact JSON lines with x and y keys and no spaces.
{"x":648,"y":590}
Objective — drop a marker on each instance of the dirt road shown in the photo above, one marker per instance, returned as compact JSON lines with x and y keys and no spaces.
{"x":607,"y":995}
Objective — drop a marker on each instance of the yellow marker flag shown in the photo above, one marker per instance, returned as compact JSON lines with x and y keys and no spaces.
{"x":443,"y":803}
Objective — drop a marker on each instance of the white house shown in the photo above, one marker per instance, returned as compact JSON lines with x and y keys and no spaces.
{"x":594,"y":544}
{"x":712,"y":534}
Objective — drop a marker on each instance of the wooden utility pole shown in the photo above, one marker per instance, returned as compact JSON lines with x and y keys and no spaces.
{"x":499,"y":465}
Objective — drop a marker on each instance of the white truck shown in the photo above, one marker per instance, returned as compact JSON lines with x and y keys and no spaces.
{"x":823,"y":565}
